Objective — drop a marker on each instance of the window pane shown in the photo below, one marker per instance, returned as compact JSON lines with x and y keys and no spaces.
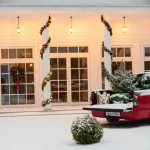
{"x":12,"y":53}
{"x":30,"y":88}
{"x":13,"y":100}
{"x":128,"y":65}
{"x":83,"y":63}
{"x":83,"y":85}
{"x":147,"y":51}
{"x":62,"y":75}
{"x":62,"y":49}
{"x":29,"y":53}
{"x":4,"y":53}
{"x":4,"y":68}
{"x":20,"y":53}
{"x":147,"y":65}
{"x":83,"y":74}
{"x":127,"y":52}
{"x":74,"y":62}
{"x":54,"y":85}
{"x":22,"y":89}
{"x":74,"y":74}
{"x":30,"y":78}
{"x":30,"y":99}
{"x":55,"y":97}
{"x":53,"y":49}
{"x":83,"y":49}
{"x":4,"y":78}
{"x":113,"y":51}
{"x":75,"y":96}
{"x":13,"y":89}
{"x":5,"y":99}
{"x":75,"y":85}
{"x":53,"y":63}
{"x":102,"y":53}
{"x":5,"y":89}
{"x":120,"y":52}
{"x":62,"y":86}
{"x":62,"y":62}
{"x":22,"y":99}
{"x":63,"y":97}
{"x":54,"y":75}
{"x":73,"y":49}
{"x":84,"y":96}
{"x":30,"y":67}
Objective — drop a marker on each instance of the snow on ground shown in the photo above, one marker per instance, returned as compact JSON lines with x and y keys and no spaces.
{"x":52,"y":132}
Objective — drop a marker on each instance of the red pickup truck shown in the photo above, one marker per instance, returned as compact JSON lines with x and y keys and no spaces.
{"x":138,"y":106}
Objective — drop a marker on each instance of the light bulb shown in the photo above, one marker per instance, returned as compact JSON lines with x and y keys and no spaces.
{"x":71,"y":29}
{"x":30,"y":65}
{"x":124,"y":29}
{"x":18,"y":30}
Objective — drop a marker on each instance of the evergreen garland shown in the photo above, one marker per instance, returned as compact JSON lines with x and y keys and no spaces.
{"x":44,"y":47}
{"x":107,"y":25}
{"x":48,"y":101}
{"x":46,"y":80}
{"x":46,"y":25}
{"x":107,"y":50}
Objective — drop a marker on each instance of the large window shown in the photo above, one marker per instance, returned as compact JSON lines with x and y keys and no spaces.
{"x":147,"y":59}
{"x":13,"y":91}
{"x":119,"y":54}
{"x":74,"y":49}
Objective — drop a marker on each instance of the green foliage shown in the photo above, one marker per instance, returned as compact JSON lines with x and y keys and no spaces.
{"x":122,"y":81}
{"x":145,"y":81}
{"x":86,"y":130}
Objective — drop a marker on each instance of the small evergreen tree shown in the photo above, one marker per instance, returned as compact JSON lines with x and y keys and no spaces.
{"x":122,"y":81}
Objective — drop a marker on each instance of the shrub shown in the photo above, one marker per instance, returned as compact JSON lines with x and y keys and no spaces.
{"x":86,"y":130}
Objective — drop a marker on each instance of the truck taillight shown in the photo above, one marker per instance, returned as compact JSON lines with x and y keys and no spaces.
{"x":135,"y":100}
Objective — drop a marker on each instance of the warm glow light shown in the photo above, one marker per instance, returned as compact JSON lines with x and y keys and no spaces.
{"x":30,"y":65}
{"x":124,"y":29}
{"x":71,"y":29}
{"x":18,"y":30}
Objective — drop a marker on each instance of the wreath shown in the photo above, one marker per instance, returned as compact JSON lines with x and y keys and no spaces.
{"x":17,"y":73}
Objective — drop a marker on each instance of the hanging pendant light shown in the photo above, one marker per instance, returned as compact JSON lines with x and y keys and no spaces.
{"x":18,"y":29}
{"x":124,"y":28}
{"x":71,"y":28}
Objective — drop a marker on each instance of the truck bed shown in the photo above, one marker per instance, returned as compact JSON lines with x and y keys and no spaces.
{"x":111,"y":107}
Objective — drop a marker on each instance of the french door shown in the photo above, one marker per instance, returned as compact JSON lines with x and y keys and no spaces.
{"x":69,"y":82}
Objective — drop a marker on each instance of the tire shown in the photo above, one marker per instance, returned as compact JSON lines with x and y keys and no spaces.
{"x":112,"y":119}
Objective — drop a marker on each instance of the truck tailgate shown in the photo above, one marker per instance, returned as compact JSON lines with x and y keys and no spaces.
{"x":111,"y":107}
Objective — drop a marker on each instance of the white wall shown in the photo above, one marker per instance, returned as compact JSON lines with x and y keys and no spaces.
{"x":87,"y":30}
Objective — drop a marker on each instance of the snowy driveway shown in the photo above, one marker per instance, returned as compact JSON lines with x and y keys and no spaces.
{"x":52,"y":132}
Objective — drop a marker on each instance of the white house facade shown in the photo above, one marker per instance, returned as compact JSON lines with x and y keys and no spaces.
{"x":75,"y":58}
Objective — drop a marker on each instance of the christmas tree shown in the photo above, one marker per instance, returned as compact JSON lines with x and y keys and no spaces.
{"x":122,"y":81}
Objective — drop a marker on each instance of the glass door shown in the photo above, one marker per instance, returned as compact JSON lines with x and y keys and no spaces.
{"x":69,"y":81}
{"x":79,"y":79}
{"x":59,"y":79}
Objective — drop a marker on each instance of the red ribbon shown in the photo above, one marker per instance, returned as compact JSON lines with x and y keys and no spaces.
{"x":18,"y":84}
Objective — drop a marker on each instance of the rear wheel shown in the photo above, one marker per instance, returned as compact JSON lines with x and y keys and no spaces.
{"x":112,"y":119}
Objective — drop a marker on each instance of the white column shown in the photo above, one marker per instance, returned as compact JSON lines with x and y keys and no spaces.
{"x":46,"y":63}
{"x":107,"y":57}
